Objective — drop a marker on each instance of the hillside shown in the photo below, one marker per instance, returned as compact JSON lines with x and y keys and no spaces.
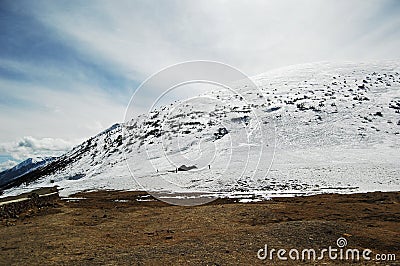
{"x":312,"y":128}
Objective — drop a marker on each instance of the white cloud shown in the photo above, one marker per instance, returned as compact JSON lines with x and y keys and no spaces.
{"x":28,"y":147}
{"x":7,"y":165}
{"x":44,"y":144}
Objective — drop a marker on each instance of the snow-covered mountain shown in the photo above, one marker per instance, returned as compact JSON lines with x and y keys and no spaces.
{"x":311,"y":128}
{"x":23,"y":168}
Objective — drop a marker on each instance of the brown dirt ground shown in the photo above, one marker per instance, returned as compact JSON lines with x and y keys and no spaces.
{"x":99,"y":230}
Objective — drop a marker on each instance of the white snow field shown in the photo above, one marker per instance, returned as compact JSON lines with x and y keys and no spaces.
{"x":314,"y":128}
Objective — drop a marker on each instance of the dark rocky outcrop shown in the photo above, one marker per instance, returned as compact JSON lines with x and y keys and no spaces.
{"x":186,"y":168}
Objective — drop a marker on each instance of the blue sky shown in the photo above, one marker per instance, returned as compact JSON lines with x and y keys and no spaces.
{"x":68,"y":68}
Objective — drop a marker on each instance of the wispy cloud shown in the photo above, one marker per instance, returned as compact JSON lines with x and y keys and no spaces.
{"x":66,"y":114}
{"x":140,"y":37}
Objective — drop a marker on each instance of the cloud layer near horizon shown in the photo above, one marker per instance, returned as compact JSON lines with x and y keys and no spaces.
{"x":30,"y":146}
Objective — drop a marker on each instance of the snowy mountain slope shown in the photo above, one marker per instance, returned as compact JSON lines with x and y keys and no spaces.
{"x":23,"y":168}
{"x":325,"y":127}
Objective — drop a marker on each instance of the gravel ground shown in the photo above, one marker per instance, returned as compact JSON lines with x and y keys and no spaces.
{"x":113,"y":228}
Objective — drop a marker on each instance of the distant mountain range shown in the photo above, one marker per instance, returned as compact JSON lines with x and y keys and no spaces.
{"x":13,"y":174}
